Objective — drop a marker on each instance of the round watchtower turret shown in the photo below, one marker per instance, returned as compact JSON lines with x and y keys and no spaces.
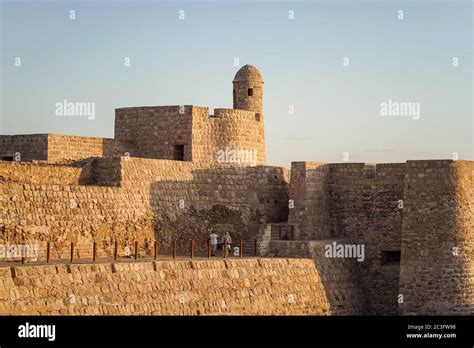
{"x":248,"y":89}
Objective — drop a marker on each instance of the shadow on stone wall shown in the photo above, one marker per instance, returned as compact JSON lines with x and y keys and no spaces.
{"x":340,"y":277}
{"x":358,"y":202}
{"x":216,"y":201}
{"x":113,"y":199}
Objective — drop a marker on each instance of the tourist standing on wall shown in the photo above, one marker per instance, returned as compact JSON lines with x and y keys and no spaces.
{"x":213,"y":238}
{"x":227,"y":239}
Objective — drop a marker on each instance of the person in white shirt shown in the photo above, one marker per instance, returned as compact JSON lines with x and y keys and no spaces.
{"x":213,"y":238}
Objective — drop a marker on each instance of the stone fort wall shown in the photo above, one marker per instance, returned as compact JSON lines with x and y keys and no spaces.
{"x":388,"y":207}
{"x":357,"y":202}
{"x":217,"y":287}
{"x":30,"y":147}
{"x":154,"y":131}
{"x":437,"y":242}
{"x":124,"y":199}
{"x":342,"y":274}
{"x":228,"y":129}
{"x":59,"y":148}
{"x":131,"y":198}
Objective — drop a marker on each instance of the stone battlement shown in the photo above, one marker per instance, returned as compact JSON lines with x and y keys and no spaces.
{"x":215,"y":287}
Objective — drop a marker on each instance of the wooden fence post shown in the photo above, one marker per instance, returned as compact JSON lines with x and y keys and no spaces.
{"x":72,"y":251}
{"x":192,"y":249}
{"x":48,"y":248}
{"x":255,"y":246}
{"x":136,"y":250}
{"x":155,"y":254}
{"x":174,"y":249}
{"x":94,"y":246}
{"x":115,"y":250}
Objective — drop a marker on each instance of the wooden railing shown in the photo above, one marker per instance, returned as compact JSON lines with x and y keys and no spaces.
{"x":48,"y":252}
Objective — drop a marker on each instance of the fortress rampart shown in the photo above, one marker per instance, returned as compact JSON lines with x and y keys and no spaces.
{"x":217,"y":287}
{"x":437,"y":260}
{"x":154,"y":131}
{"x":58,"y":148}
{"x":131,"y":198}
{"x":30,"y":147}
{"x":160,"y":129}
{"x":185,"y":133}
{"x":229,"y":130}
{"x":402,"y":211}
{"x":384,"y":207}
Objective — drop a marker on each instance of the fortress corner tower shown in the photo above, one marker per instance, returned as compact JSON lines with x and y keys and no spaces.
{"x":248,"y":89}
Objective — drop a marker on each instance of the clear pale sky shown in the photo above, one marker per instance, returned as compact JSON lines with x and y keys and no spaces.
{"x":191,"y":61}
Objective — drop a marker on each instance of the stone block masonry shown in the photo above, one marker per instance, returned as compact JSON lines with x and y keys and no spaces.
{"x":128,"y":199}
{"x":216,"y":287}
{"x":357,"y":202}
{"x":29,"y":147}
{"x":239,"y":133}
{"x":154,"y":132}
{"x":55,"y":148}
{"x":176,"y":132}
{"x":340,"y":276}
{"x":65,"y":147}
{"x":178,"y":173}
{"x":437,"y":260}
{"x":415,"y":219}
